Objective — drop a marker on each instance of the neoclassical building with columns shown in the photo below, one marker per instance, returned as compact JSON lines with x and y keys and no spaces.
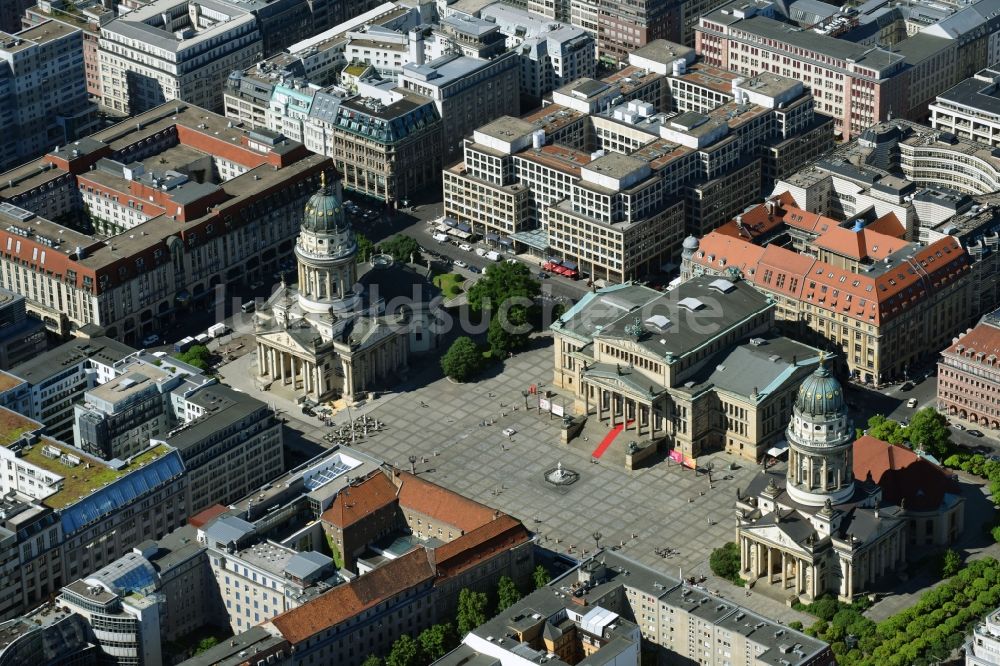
{"x":321,"y":336}
{"x":698,"y":367}
{"x":817,"y":529}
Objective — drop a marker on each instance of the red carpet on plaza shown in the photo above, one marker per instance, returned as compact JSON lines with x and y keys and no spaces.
{"x":606,"y":442}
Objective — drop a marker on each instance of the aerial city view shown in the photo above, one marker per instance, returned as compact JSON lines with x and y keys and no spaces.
{"x":499,"y":332}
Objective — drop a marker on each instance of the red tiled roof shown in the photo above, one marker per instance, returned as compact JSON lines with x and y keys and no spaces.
{"x":206,"y":516}
{"x":480,"y":544}
{"x":902,"y":474}
{"x":733,"y":252}
{"x":441,"y":504}
{"x":357,"y":501}
{"x":889,"y":225}
{"x":811,"y":222}
{"x":753,"y":223}
{"x":864,"y":244}
{"x":345,"y":601}
{"x":869,"y":298}
{"x":983,"y":339}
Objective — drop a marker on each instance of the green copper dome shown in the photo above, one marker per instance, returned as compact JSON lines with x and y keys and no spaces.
{"x":324,"y":211}
{"x":820,"y":394}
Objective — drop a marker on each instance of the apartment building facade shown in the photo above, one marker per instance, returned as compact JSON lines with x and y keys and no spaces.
{"x":175,"y":50}
{"x":612,"y":180}
{"x":43,"y":93}
{"x":467,"y":92}
{"x":969,"y":375}
{"x":226,"y":206}
{"x":971,"y":109}
{"x":882,"y":303}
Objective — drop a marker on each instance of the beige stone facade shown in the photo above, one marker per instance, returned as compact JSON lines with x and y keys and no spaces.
{"x":706,"y":379}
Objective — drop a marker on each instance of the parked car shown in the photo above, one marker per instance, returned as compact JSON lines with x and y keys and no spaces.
{"x":461,"y":264}
{"x":474,"y":269}
{"x":911,"y":403}
{"x":465,"y":246}
{"x":151,"y":340}
{"x":975,"y":433}
{"x":958,"y":426}
{"x":907,"y":386}
{"x":542,"y":275}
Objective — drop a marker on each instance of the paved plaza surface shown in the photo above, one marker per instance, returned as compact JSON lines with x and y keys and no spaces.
{"x":439,"y":422}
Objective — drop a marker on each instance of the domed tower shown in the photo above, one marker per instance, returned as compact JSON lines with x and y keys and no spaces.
{"x":821,"y":440}
{"x":325,"y":252}
{"x":688,"y":248}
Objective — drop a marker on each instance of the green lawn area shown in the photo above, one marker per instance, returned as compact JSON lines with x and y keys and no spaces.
{"x":450,"y":284}
{"x":81,"y":480}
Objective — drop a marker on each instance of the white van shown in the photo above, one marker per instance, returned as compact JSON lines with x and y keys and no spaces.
{"x":440,"y":238}
{"x":480,"y":252}
{"x":493,"y":256}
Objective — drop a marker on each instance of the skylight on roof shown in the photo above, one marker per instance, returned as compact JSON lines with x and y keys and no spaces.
{"x":725,"y":286}
{"x":659,"y":322}
{"x":691,"y":303}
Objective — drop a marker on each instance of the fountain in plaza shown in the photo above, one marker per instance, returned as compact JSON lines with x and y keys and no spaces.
{"x":561,"y":476}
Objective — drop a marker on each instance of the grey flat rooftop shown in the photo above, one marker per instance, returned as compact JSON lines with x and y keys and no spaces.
{"x":664,"y":51}
{"x":769,"y":84}
{"x":55,"y":361}
{"x":764,"y":368}
{"x":228,"y":529}
{"x":233,"y":651}
{"x":696,"y":313}
{"x":976,"y":95}
{"x":223,"y":406}
{"x":136,"y":380}
{"x":506,"y":128}
{"x":616,"y":165}
{"x":305,"y":565}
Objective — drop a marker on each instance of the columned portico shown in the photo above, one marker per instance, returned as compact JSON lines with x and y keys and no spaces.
{"x":319,"y":338}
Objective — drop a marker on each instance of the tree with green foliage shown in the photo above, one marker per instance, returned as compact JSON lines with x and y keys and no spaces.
{"x":401,"y":247}
{"x":885,"y":429}
{"x":372,"y":660}
{"x":462,"y":360}
{"x":950,"y":563}
{"x":206,"y":644}
{"x":405,"y":652}
{"x":541,"y":577}
{"x":196,"y":356}
{"x":500,"y":284}
{"x":928,"y":430}
{"x":471,"y":610}
{"x":436,"y":641}
{"x":725,"y":562}
{"x":508,"y":330}
{"x":365,"y":248}
{"x":507,"y":593}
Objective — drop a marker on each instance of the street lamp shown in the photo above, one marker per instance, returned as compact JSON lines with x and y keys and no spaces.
{"x":597,"y":536}
{"x":413,"y":464}
{"x":524,"y":394}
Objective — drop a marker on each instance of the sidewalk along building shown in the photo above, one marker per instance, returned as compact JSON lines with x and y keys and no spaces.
{"x":856,"y":287}
{"x":139,"y":222}
{"x":969,"y":374}
{"x":697,"y":366}
{"x":610,"y":175}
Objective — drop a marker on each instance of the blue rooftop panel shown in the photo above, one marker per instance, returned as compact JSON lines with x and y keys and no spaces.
{"x":121,"y":492}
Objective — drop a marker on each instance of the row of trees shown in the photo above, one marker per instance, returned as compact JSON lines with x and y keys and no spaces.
{"x":400,"y":247}
{"x":927,"y":430}
{"x":924,"y":633}
{"x":438,"y":640}
{"x":985,"y":468}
